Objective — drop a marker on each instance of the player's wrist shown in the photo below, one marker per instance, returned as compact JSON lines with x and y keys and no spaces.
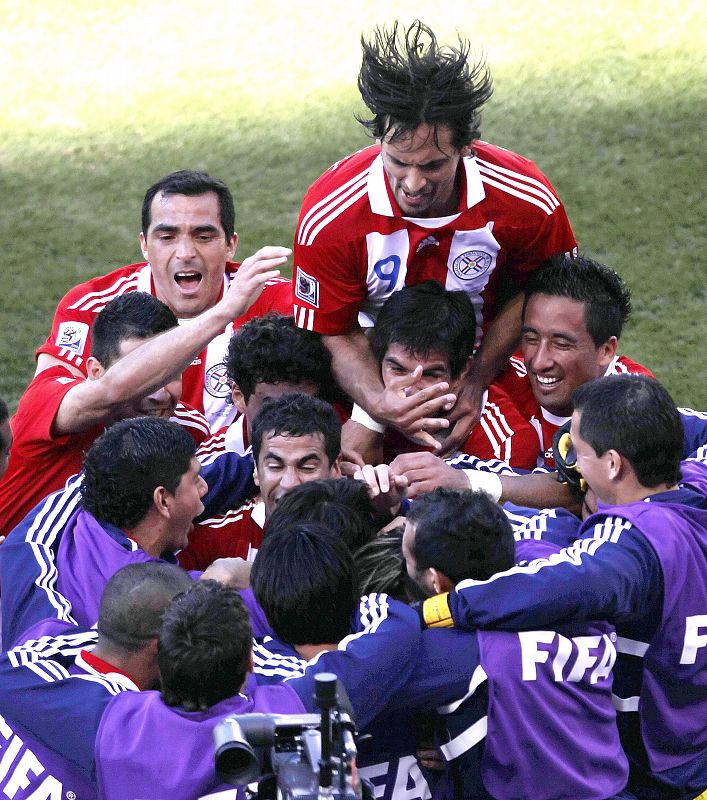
{"x":364,"y":418}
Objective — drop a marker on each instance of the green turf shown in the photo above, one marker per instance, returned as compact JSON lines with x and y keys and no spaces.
{"x":100,"y":100}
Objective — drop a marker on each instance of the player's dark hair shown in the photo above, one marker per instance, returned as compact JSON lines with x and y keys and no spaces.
{"x":449,"y":325}
{"x":636,"y":416}
{"x":192,"y":183}
{"x":272,"y":349}
{"x":606,"y":298}
{"x":297,"y":415}
{"x":407,"y":79}
{"x":303,"y":577}
{"x":128,"y":462}
{"x":4,"y":414}
{"x":204,"y":646}
{"x":134,"y":600}
{"x":341,"y":505}
{"x":134,"y":315}
{"x":461,"y":534}
{"x":380,"y":566}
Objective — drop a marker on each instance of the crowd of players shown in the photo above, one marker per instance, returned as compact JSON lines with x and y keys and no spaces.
{"x":423,"y":465}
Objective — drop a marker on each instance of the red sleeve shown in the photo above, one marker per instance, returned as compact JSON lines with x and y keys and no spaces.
{"x":31,"y":425}
{"x":328,"y":285}
{"x":276,"y":297}
{"x":233,"y":535}
{"x":193,"y":421}
{"x":70,"y":338}
{"x":503,"y":434}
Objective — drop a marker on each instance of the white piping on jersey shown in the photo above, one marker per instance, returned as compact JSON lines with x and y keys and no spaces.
{"x":70,"y":644}
{"x":69,"y":355}
{"x":533,"y":527}
{"x":519,"y":185}
{"x":625,"y":703}
{"x":304,"y":317}
{"x":607,"y":531}
{"x":42,"y":535}
{"x":373,"y":611}
{"x":190,"y":418}
{"x":631,"y":647}
{"x":690,"y":412}
{"x":497,"y":429}
{"x":52,"y":672}
{"x":235,"y":515}
{"x":334,"y":204}
{"x":478,"y":677}
{"x":484,"y":465}
{"x":465,"y":740}
{"x":92,"y":300}
{"x":267,"y":662}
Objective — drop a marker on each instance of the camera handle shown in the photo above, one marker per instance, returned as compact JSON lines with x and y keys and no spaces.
{"x":326,"y":700}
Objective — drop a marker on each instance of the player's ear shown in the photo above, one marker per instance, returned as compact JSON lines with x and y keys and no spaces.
{"x":143,"y":246}
{"x":466,"y":150}
{"x":256,"y":479}
{"x":607,"y":351}
{"x":336,"y":467}
{"x":615,"y":463}
{"x":94,"y":368}
{"x":440,"y":581}
{"x":161,"y":500}
{"x":231,"y":247}
{"x":238,"y":398}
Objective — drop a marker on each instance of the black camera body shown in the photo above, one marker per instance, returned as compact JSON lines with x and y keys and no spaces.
{"x":292,"y":756}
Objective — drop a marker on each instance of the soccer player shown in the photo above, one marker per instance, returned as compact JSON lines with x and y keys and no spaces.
{"x":296,"y":438}
{"x":187,"y":239}
{"x":425,"y":334}
{"x":131,"y":371}
{"x":428,"y":201}
{"x":121,"y":655}
{"x":268,"y":356}
{"x":203,"y":654}
{"x":135,"y":502}
{"x":640,"y":562}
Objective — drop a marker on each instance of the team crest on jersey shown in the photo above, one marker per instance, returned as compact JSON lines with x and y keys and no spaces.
{"x":72,"y":336}
{"x":472,"y":264}
{"x":307,"y":288}
{"x":216,"y":381}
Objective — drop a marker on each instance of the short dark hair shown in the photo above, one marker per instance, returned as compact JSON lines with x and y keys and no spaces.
{"x":636,"y":416}
{"x":303,"y":577}
{"x":204,"y":646}
{"x":134,"y":600}
{"x":297,"y":415}
{"x":449,"y":324}
{"x":606,"y":298}
{"x":462,"y":534}
{"x":342,"y":505}
{"x":380,"y":566}
{"x":134,"y":315}
{"x":407,"y":79}
{"x":4,"y":413}
{"x":192,"y":184}
{"x":125,"y":465}
{"x":272,"y":349}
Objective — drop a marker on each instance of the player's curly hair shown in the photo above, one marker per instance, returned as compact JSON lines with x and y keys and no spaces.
{"x":272,"y":349}
{"x":407,"y":79}
{"x":204,"y":646}
{"x":128,"y":462}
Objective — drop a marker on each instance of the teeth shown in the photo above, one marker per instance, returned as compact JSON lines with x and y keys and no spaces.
{"x":187,"y":275}
{"x":546,"y":381}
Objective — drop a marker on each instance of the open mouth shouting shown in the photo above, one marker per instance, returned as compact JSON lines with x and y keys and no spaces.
{"x":188,"y":281}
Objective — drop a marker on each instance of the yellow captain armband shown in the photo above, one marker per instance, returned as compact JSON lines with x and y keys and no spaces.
{"x":703,"y":796}
{"x":436,"y":612}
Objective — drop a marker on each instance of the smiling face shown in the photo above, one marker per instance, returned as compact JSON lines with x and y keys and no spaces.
{"x":287,"y":461}
{"x":187,"y":249}
{"x":422,"y":173}
{"x":559,"y":353}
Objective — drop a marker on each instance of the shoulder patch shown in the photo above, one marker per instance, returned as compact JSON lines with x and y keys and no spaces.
{"x":72,"y":336}
{"x":307,"y":288}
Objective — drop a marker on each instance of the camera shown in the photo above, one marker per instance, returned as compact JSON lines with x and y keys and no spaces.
{"x":293,"y":756}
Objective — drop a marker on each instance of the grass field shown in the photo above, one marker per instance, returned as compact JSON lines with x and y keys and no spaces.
{"x":100,"y":100}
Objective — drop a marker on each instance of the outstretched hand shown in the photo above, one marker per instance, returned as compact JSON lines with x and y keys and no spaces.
{"x":252,"y":275}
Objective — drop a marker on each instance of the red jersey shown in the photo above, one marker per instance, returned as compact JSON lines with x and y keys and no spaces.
{"x":516,"y":382}
{"x":205,"y":384}
{"x":500,"y":434}
{"x":235,"y":534}
{"x":353,"y":248}
{"x":232,"y":438}
{"x":40,"y":463}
